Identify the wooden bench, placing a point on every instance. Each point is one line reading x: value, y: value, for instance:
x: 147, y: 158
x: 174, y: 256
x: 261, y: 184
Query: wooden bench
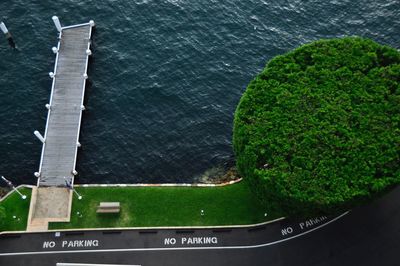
x: 108, y: 207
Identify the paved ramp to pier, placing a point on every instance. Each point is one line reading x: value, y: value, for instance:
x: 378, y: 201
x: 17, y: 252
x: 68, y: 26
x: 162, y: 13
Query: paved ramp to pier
x: 51, y: 200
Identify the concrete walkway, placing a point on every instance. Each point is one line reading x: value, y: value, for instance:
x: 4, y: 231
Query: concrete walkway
x: 48, y: 204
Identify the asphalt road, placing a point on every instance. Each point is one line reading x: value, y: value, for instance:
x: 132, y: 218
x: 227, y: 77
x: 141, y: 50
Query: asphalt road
x: 369, y: 235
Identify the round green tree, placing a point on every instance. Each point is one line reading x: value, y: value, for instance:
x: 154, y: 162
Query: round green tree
x: 318, y: 129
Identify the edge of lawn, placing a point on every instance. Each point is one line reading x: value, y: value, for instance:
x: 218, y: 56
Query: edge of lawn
x: 16, y: 209
x: 168, y: 207
x: 159, y: 207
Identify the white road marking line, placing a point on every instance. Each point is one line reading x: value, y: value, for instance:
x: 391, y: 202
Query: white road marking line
x: 169, y: 249
x: 86, y: 264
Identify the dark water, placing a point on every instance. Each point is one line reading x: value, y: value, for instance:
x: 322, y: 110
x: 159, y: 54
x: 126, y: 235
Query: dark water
x: 166, y: 77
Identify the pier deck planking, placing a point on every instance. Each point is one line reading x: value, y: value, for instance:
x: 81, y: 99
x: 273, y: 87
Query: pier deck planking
x: 64, y: 117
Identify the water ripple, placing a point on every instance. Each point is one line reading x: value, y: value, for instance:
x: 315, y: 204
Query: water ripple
x: 166, y: 76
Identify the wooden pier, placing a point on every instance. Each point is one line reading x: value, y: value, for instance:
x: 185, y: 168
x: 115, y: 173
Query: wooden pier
x: 61, y: 138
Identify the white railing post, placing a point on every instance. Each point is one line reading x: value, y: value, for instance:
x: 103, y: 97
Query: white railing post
x: 39, y: 136
x: 57, y: 23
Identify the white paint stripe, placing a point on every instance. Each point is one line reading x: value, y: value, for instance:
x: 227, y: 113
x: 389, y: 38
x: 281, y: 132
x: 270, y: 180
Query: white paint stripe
x: 86, y: 264
x: 170, y: 249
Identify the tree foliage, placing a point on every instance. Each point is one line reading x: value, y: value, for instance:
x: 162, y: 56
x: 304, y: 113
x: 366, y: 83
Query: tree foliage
x: 318, y: 129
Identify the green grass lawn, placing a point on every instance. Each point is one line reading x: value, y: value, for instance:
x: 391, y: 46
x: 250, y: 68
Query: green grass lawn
x: 167, y: 206
x: 16, y: 207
